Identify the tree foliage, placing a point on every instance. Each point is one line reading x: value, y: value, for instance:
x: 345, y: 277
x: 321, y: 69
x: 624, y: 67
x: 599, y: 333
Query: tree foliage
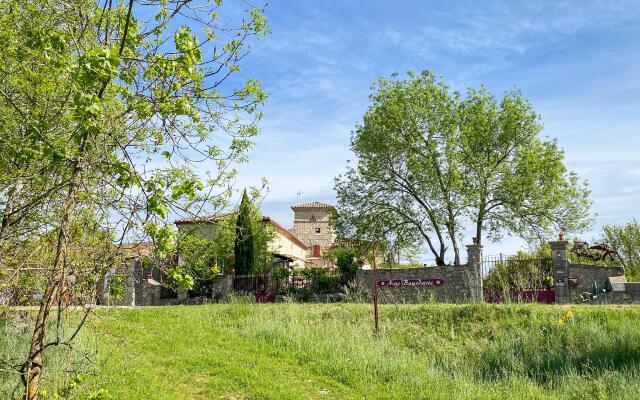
x: 625, y: 239
x: 107, y: 110
x: 244, y: 260
x: 431, y: 162
x: 204, y: 255
x: 347, y: 261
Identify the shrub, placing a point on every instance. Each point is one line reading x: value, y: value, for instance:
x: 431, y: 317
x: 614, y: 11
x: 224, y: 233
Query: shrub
x: 322, y: 281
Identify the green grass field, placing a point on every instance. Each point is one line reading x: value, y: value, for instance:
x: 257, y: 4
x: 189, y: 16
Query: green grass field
x: 306, y: 351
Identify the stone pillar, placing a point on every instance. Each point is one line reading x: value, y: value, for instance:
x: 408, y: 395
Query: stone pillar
x: 474, y: 263
x: 560, y: 271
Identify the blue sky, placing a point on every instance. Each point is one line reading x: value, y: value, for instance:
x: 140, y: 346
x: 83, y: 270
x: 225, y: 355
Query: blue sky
x: 578, y: 62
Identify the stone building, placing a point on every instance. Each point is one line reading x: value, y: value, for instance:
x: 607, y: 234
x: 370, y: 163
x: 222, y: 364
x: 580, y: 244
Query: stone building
x: 312, y: 225
x: 141, y: 283
x: 287, y: 249
x: 302, y: 246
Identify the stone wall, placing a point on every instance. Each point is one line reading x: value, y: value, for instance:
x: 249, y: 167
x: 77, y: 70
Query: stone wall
x: 222, y: 287
x: 150, y: 293
x: 628, y: 293
x: 129, y: 271
x: 203, y: 230
x: 572, y: 280
x: 585, y: 275
x: 460, y: 284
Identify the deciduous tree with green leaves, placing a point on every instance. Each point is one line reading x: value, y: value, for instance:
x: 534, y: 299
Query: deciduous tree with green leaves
x: 625, y: 239
x: 434, y: 161
x: 110, y: 112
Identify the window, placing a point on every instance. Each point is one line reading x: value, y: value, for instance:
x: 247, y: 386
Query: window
x: 315, y: 250
x: 313, y: 218
x: 317, y: 230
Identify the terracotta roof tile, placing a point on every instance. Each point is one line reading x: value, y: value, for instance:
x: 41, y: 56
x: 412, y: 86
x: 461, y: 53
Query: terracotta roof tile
x: 314, y: 204
x: 205, y: 218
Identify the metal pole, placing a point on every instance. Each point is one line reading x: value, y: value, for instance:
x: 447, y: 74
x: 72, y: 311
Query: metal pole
x: 375, y: 291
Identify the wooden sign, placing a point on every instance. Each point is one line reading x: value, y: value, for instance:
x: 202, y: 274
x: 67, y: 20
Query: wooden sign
x: 410, y: 282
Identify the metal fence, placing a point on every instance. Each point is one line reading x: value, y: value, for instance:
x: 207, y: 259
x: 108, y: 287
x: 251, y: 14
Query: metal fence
x: 517, y: 279
x: 269, y: 284
x: 518, y: 272
x: 264, y: 284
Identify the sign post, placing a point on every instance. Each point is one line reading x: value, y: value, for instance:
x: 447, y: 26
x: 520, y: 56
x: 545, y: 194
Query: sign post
x: 375, y: 291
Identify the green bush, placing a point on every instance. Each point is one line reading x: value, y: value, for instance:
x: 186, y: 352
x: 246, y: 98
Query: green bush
x: 322, y: 280
x: 347, y: 264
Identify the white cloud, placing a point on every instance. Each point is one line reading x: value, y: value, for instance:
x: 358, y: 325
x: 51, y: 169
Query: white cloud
x: 318, y: 70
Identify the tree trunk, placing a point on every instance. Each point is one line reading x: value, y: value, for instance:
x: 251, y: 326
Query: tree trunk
x: 479, y: 222
x: 55, y: 285
x: 454, y: 243
x: 440, y: 259
x: 8, y: 209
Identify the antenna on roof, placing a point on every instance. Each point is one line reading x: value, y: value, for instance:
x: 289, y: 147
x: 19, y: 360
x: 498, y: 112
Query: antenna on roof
x: 298, y: 196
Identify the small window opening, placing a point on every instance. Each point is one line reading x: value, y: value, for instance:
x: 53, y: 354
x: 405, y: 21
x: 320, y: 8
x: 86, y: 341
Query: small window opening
x: 317, y: 230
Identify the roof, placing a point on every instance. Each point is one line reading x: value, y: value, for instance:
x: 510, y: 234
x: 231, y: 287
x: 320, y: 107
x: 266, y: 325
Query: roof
x: 313, y: 205
x: 138, y: 249
x: 212, y: 219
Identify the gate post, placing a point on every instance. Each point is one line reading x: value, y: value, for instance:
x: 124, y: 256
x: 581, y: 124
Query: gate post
x: 560, y: 270
x: 474, y: 263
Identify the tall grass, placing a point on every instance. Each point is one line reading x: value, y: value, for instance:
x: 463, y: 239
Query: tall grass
x: 292, y: 351
x: 61, y: 364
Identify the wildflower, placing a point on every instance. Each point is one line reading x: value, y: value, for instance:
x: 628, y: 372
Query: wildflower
x: 568, y: 314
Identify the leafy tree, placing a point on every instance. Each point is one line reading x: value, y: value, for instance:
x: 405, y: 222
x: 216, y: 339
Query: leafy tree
x: 347, y: 261
x: 512, y: 180
x: 243, y: 249
x: 200, y: 258
x: 204, y: 256
x: 107, y: 110
x: 626, y: 240
x: 430, y: 161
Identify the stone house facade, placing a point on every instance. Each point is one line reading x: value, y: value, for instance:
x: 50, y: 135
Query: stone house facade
x: 300, y: 247
x: 286, y: 245
x: 312, y: 225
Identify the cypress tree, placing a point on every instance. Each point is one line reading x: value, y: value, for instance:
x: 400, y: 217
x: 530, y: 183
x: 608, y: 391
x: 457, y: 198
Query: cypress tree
x: 243, y: 248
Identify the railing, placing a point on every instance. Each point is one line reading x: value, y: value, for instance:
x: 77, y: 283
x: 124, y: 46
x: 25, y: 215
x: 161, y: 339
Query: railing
x: 518, y: 273
x: 269, y: 284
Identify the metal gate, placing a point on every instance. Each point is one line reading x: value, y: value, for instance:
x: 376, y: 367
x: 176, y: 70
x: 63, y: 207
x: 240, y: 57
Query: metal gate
x: 518, y: 279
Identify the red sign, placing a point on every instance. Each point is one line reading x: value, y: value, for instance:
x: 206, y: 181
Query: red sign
x: 410, y: 282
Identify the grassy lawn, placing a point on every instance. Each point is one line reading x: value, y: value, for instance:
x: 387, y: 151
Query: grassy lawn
x: 307, y: 351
